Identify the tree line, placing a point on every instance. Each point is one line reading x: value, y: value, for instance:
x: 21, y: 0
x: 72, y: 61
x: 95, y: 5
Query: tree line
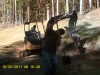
x: 16, y: 12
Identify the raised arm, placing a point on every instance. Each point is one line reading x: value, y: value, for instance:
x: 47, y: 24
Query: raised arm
x: 51, y: 22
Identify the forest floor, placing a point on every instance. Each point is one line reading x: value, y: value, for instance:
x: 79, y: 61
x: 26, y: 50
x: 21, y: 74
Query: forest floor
x: 88, y: 63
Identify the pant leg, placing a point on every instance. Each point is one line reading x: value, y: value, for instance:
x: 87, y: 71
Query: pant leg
x: 46, y: 62
x: 54, y: 62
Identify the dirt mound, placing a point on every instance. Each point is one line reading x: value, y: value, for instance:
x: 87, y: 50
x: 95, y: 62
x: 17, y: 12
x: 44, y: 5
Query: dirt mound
x: 93, y: 15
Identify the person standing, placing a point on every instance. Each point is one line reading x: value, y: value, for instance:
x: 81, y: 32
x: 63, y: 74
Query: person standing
x: 72, y: 21
x: 51, y: 41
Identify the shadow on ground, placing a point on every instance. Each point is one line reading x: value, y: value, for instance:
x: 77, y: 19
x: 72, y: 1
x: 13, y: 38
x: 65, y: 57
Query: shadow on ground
x: 9, y: 57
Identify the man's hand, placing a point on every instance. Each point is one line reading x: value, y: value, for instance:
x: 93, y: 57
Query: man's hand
x: 55, y: 21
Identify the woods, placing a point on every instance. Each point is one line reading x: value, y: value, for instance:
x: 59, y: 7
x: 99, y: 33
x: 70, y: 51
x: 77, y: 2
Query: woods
x: 16, y: 12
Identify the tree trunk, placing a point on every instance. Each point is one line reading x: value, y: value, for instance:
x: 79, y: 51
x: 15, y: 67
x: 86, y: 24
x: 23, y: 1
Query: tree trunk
x: 97, y: 3
x: 67, y: 6
x: 15, y: 13
x: 28, y: 13
x: 57, y: 8
x: 81, y: 7
x: 52, y: 8
x: 28, y: 8
x: 47, y: 13
x: 3, y: 12
x: 73, y: 5
x: 10, y: 13
x: 90, y: 4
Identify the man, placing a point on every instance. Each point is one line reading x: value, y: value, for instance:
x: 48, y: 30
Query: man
x: 51, y: 41
x: 72, y: 22
x: 33, y: 29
